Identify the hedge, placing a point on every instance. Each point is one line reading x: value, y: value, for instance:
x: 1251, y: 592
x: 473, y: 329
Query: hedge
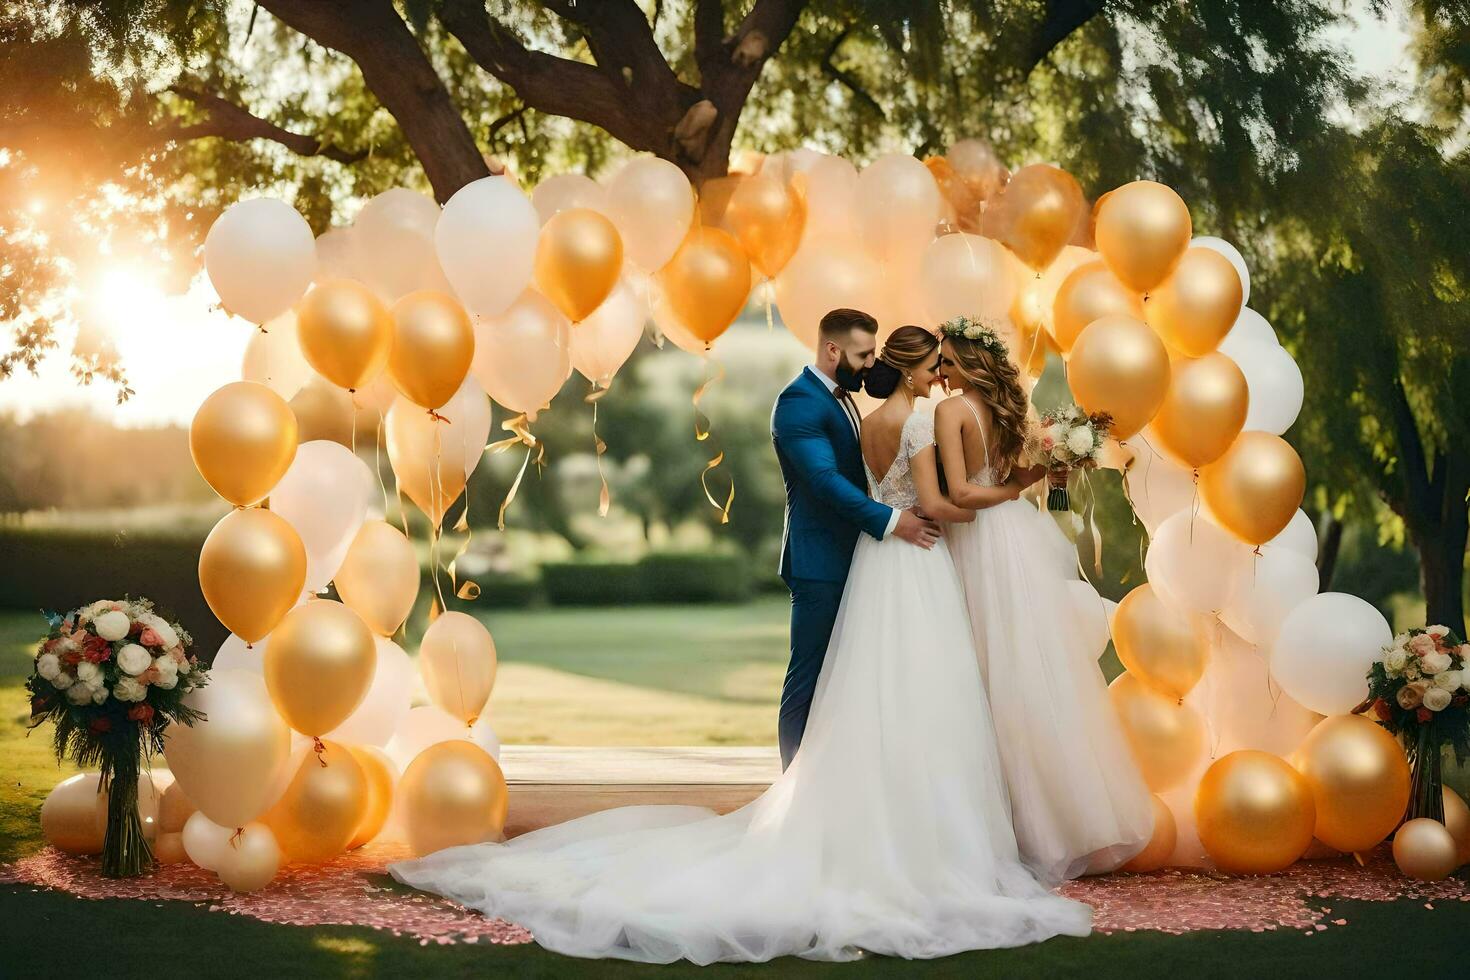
x: 659, y: 577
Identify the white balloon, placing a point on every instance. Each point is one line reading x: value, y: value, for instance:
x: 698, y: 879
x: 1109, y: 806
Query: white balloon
x: 251, y: 859
x: 898, y: 205
x: 1323, y: 652
x: 566, y: 191
x: 468, y: 412
x: 233, y: 654
x: 1091, y: 614
x: 1300, y: 535
x: 486, y: 241
x: 260, y: 256
x: 1265, y: 591
x: 651, y: 202
x: 1233, y: 254
x: 607, y: 337
x: 273, y: 358
x: 393, y: 244
x: 1158, y: 486
x: 334, y: 255
x: 523, y: 357
x: 1250, y: 328
x: 429, y: 725
x: 324, y: 496
x: 1245, y: 710
x: 1197, y: 562
x: 205, y: 841
x: 386, y: 703
x: 1275, y: 385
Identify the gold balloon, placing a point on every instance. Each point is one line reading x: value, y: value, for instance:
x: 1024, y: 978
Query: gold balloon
x: 453, y: 793
x: 1161, y: 846
x: 1167, y: 737
x: 428, y: 466
x: 1204, y: 409
x: 1197, y: 305
x: 169, y: 849
x: 323, y: 411
x: 1359, y: 779
x: 243, y: 439
x: 1157, y: 645
x: 433, y: 345
x: 345, y: 332
x: 457, y: 659
x: 319, y: 665
x: 252, y: 569
x: 1457, y: 822
x: 578, y: 260
x: 1254, y: 490
x: 1119, y: 366
x: 1425, y: 850
x: 1090, y: 292
x: 1254, y: 813
x: 707, y: 282
x: 250, y: 860
x: 1142, y: 230
x: 322, y: 807
x: 74, y: 816
x: 1035, y: 214
x: 768, y: 218
x: 380, y: 774
x: 379, y: 577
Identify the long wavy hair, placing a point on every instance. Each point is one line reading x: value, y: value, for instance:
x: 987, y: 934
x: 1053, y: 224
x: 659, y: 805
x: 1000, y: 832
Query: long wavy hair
x: 998, y: 383
x: 905, y: 349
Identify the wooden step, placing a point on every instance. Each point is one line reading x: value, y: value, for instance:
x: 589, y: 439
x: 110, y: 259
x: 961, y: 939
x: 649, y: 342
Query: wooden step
x: 553, y: 784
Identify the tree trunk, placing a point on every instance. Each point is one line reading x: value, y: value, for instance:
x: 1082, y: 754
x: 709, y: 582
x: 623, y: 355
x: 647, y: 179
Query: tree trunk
x: 1329, y: 543
x: 1442, y: 562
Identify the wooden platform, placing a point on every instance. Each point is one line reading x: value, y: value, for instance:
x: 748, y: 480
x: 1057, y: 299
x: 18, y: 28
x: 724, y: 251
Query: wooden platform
x: 550, y: 784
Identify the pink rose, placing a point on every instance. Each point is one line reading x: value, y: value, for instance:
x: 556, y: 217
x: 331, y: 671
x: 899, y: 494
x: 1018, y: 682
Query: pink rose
x: 1421, y: 645
x: 150, y: 638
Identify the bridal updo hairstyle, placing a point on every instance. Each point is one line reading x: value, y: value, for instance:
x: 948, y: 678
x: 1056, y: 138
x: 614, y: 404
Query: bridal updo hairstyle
x: 906, y: 348
x: 987, y: 368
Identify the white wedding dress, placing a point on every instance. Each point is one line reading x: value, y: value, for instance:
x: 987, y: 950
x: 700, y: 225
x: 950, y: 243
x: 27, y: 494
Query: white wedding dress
x: 1077, y: 798
x: 890, y: 832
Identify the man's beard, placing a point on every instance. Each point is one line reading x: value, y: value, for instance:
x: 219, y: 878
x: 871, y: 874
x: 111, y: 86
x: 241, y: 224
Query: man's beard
x: 848, y: 378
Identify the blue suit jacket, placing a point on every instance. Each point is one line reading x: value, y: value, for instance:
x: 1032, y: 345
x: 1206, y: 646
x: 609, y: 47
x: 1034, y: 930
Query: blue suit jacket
x: 827, y: 502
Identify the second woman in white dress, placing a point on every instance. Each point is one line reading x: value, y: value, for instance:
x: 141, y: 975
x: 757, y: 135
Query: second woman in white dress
x: 1078, y: 802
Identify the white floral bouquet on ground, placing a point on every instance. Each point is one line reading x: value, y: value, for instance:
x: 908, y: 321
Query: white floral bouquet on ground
x: 112, y: 676
x: 1063, y: 440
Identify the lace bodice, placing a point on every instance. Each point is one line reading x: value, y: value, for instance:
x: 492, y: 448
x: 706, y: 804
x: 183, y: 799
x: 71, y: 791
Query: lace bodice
x: 896, y: 489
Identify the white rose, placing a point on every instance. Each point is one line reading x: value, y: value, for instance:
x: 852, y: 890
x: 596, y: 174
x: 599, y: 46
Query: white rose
x: 128, y: 689
x: 48, y: 666
x: 112, y: 625
x: 1436, y: 699
x: 1433, y: 663
x: 99, y: 694
x: 62, y: 681
x: 1395, y: 662
x: 79, y: 694
x: 95, y: 609
x: 89, y: 673
x: 168, y: 672
x: 160, y: 626
x: 1079, y: 440
x: 134, y: 659
x: 1449, y: 679
x: 1438, y: 631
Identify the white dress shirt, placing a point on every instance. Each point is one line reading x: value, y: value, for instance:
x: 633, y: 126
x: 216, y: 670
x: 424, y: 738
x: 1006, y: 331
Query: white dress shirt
x: 853, y: 419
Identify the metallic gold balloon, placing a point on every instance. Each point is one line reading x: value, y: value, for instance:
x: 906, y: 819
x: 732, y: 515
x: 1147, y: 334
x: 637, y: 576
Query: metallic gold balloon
x: 1254, y: 813
x: 1197, y: 305
x: 579, y: 257
x: 74, y: 816
x: 1254, y: 490
x: 1035, y: 214
x: 379, y: 577
x: 1425, y: 850
x: 1359, y: 779
x: 428, y: 466
x: 1167, y: 737
x: 1142, y: 230
x: 1090, y: 292
x: 457, y: 659
x: 1119, y: 366
x: 322, y: 807
x: 250, y: 860
x: 1457, y: 822
x: 453, y: 793
x: 768, y: 218
x: 319, y: 665
x: 1157, y: 645
x: 324, y: 411
x: 1204, y: 409
x: 345, y: 332
x: 707, y: 282
x: 433, y: 345
x: 243, y: 439
x: 252, y: 569
x: 380, y: 774
x: 1161, y: 846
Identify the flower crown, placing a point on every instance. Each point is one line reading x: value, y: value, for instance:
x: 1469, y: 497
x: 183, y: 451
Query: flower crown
x: 975, y: 331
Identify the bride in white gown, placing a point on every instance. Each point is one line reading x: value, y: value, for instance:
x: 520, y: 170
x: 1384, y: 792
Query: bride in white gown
x: 889, y: 833
x: 1077, y: 798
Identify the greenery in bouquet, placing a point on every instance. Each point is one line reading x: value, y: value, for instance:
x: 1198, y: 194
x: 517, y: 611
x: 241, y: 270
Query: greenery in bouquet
x: 112, y: 676
x: 1418, y: 691
x: 1065, y: 439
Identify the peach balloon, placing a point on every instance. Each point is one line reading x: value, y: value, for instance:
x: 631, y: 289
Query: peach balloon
x: 965, y: 275
x: 1425, y: 850
x: 1254, y: 490
x: 427, y: 466
x: 453, y: 793
x: 604, y: 341
x: 457, y: 660
x: 1143, y: 229
x: 1157, y: 645
x: 1197, y: 305
x: 767, y: 217
x: 250, y: 860
x: 523, y: 356
x: 174, y: 809
x: 1166, y: 736
x: 345, y: 333
x: 1204, y: 409
x: 169, y: 849
x: 243, y: 439
x: 1119, y: 366
x: 74, y: 815
x: 565, y: 192
x: 433, y: 346
x: 1090, y: 292
x: 707, y: 282
x: 1359, y: 779
x: 324, y: 411
x: 379, y: 577
x: 252, y: 569
x: 1035, y: 214
x: 651, y: 202
x: 322, y: 807
x: 898, y: 205
x: 380, y: 773
x: 579, y: 257
x: 1161, y: 845
x: 824, y: 275
x: 319, y: 665
x: 1457, y: 822
x: 1254, y: 813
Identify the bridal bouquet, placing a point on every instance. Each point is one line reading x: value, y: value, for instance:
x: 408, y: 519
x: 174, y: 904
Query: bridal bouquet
x: 1067, y: 438
x: 1418, y: 691
x: 112, y: 676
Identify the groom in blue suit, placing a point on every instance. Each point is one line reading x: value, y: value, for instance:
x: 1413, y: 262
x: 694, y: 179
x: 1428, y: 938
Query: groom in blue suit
x: 816, y: 430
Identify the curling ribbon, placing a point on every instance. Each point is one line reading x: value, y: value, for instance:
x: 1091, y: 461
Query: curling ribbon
x: 522, y: 437
x: 701, y: 434
x: 1089, y: 523
x: 436, y: 502
x: 604, y: 499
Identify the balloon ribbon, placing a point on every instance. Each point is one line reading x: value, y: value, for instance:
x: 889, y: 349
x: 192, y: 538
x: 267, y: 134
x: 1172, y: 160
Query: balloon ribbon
x: 701, y: 433
x: 604, y: 499
x: 522, y: 437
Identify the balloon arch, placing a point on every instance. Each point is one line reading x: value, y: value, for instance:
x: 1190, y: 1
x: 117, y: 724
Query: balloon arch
x: 1230, y: 652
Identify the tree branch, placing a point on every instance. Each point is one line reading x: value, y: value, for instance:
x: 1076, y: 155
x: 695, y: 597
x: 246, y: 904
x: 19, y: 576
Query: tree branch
x: 229, y: 121
x: 846, y: 79
x: 1061, y: 20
